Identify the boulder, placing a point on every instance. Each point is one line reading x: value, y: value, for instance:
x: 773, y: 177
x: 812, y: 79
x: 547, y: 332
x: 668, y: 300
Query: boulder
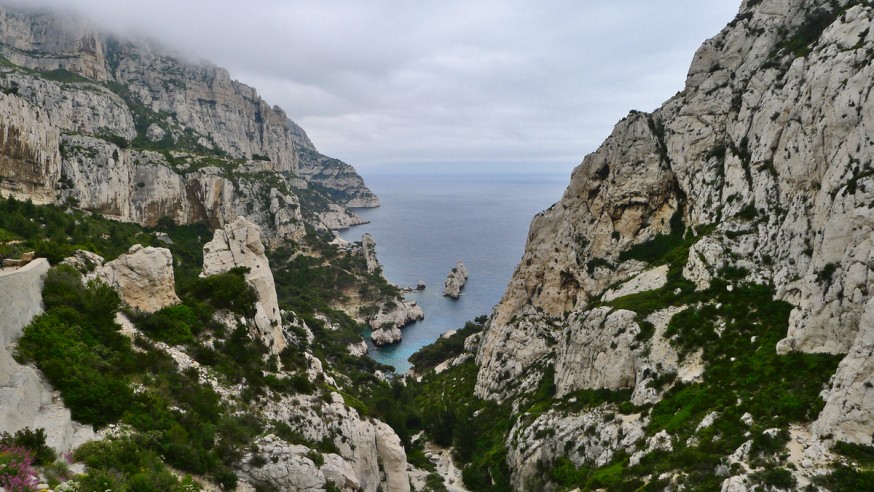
x: 386, y: 336
x: 143, y: 278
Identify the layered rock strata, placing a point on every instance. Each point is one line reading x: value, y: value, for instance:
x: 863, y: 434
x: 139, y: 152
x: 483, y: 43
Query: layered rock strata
x: 128, y: 130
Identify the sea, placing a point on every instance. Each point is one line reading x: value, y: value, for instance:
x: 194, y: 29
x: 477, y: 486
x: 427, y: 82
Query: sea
x: 427, y: 222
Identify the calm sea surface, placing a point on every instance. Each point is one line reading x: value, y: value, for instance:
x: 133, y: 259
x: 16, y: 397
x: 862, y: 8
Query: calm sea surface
x: 428, y: 222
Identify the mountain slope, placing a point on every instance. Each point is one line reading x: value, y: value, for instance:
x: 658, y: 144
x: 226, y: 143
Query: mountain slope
x: 131, y: 131
x: 749, y: 189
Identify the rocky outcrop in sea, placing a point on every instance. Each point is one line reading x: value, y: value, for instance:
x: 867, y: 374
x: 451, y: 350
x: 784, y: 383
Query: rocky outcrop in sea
x: 455, y: 280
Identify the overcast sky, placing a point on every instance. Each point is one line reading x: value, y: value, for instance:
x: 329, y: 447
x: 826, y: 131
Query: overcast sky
x: 530, y: 84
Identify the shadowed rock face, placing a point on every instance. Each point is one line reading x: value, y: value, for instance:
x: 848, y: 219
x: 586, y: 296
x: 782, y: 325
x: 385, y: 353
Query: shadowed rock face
x: 766, y: 153
x: 130, y: 131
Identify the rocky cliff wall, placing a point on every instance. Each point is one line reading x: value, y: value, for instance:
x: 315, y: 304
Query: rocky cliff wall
x: 765, y: 158
x: 20, y: 298
x: 128, y: 129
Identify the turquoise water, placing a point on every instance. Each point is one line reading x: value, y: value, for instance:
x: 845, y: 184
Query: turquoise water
x: 428, y: 222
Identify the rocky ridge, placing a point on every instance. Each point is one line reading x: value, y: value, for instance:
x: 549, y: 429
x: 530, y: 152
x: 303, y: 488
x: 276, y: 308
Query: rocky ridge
x: 130, y: 131
x: 763, y: 161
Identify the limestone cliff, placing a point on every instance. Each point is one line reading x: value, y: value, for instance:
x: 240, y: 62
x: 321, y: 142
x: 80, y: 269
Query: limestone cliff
x: 129, y: 130
x: 764, y: 159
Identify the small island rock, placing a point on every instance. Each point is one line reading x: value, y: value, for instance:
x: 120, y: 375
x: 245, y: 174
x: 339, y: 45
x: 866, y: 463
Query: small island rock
x: 455, y: 281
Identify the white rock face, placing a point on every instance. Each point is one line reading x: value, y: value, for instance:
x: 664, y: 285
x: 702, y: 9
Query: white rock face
x: 455, y: 280
x: 286, y: 466
x: 26, y: 398
x: 386, y: 336
x: 197, y: 107
x: 393, y: 316
x: 397, y: 314
x: 599, y: 353
x: 368, y: 248
x: 769, y: 148
x: 706, y: 257
x: 357, y: 349
x: 337, y: 217
x: 370, y: 448
x: 239, y: 245
x: 849, y: 411
x: 29, y: 146
x: 596, y: 437
x: 143, y: 278
x: 141, y: 186
x: 394, y: 458
x: 642, y: 282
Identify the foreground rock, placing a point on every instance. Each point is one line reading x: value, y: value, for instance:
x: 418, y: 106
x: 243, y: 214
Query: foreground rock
x: 455, y: 281
x: 239, y: 244
x: 143, y: 277
x: 26, y: 398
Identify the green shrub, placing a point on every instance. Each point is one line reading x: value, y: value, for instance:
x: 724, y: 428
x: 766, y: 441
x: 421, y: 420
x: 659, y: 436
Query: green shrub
x: 125, y: 465
x: 228, y: 290
x: 779, y: 478
x: 174, y: 325
x: 443, y: 349
x: 33, y: 441
x: 655, y: 250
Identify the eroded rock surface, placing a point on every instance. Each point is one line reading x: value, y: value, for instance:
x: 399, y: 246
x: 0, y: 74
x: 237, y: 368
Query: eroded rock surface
x: 455, y: 280
x: 143, y: 278
x: 26, y: 398
x: 239, y: 244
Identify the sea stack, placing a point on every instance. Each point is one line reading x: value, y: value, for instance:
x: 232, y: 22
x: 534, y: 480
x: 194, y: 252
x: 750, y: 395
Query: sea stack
x: 455, y: 281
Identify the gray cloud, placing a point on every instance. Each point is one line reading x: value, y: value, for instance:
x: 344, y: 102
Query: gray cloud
x: 391, y: 81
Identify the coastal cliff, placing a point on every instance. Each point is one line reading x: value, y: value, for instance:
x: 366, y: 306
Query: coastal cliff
x: 130, y: 130
x: 728, y: 227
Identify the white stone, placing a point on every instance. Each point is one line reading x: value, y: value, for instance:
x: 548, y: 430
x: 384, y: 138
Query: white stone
x: 455, y: 280
x: 642, y: 282
x: 143, y: 278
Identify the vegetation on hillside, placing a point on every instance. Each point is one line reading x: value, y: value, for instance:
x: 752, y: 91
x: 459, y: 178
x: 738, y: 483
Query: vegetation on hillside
x: 169, y: 415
